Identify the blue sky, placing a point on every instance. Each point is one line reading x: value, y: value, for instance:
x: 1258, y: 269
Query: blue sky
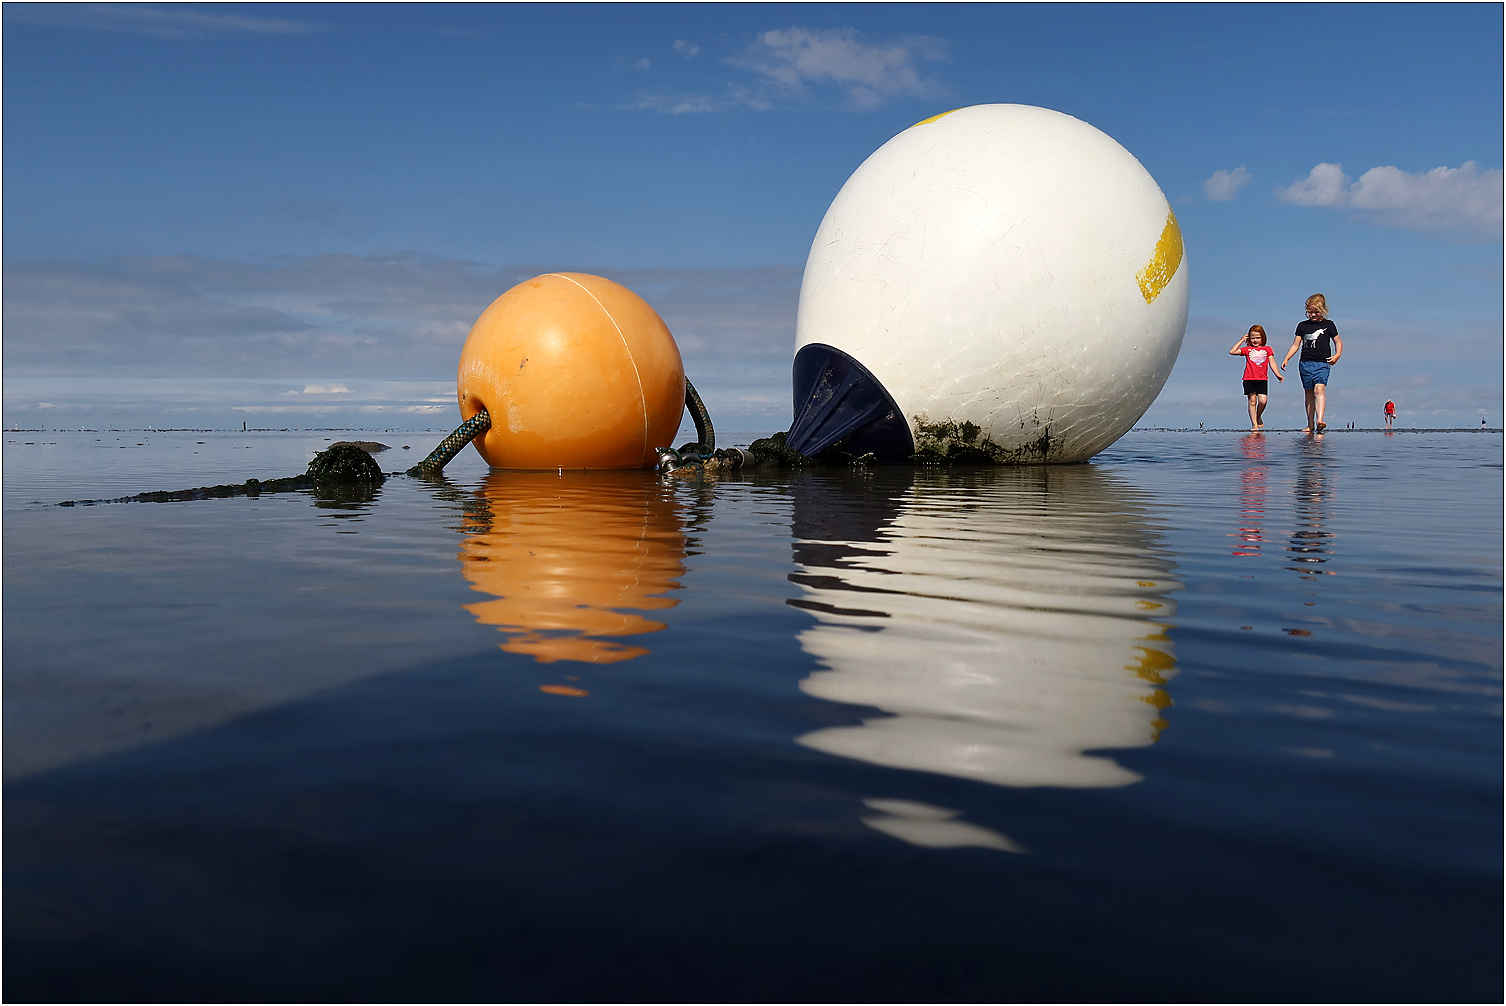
x: 291, y: 214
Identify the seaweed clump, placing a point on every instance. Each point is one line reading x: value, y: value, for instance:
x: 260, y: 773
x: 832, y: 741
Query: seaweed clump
x: 336, y: 471
x: 344, y: 462
x: 953, y: 443
x: 947, y: 442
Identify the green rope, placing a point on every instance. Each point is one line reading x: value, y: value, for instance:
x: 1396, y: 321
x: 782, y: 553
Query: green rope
x: 704, y: 447
x: 453, y: 444
x: 705, y: 434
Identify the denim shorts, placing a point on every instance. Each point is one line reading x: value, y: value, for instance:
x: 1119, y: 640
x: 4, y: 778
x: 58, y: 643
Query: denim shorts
x: 1313, y: 372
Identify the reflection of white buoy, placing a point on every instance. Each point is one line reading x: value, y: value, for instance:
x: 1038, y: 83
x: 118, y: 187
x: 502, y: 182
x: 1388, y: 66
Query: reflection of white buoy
x: 1000, y: 282
x: 1011, y: 631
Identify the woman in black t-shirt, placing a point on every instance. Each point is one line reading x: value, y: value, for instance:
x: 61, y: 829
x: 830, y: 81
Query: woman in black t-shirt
x: 1318, y: 339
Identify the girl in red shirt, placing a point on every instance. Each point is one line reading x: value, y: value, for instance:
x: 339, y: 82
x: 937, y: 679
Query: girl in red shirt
x: 1258, y: 357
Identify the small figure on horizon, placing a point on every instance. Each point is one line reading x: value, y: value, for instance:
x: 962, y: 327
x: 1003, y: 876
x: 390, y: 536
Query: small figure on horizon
x: 1390, y: 413
x: 1258, y: 357
x: 1318, y: 338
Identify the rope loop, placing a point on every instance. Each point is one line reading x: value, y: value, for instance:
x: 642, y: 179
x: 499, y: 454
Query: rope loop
x: 453, y: 444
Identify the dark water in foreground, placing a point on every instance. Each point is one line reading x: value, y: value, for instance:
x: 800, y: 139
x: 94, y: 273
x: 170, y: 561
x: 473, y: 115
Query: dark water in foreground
x: 1212, y: 717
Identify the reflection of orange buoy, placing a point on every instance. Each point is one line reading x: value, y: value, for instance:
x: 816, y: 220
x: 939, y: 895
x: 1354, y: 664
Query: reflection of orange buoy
x: 565, y: 556
x: 576, y: 371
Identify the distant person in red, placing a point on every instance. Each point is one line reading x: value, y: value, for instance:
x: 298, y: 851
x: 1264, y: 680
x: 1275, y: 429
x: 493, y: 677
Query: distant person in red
x: 1258, y: 357
x: 1390, y: 413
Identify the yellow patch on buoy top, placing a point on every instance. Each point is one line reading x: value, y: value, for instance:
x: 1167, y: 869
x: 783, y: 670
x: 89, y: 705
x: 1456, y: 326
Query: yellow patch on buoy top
x: 1163, y: 261
x: 927, y: 122
x: 564, y: 690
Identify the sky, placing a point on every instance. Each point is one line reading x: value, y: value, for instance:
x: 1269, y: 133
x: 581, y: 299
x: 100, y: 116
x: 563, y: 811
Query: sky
x: 290, y: 215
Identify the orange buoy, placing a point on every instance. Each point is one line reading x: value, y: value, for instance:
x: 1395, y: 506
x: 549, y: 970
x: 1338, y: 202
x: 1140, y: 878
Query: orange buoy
x: 577, y: 372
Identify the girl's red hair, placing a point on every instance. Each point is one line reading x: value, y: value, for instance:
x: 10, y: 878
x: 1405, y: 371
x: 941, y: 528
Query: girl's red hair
x: 1261, y: 332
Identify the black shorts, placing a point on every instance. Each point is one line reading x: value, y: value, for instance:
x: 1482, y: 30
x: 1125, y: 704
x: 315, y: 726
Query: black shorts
x: 1256, y: 387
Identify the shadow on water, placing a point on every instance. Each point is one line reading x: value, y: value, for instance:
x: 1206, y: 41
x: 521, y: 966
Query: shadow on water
x: 353, y: 497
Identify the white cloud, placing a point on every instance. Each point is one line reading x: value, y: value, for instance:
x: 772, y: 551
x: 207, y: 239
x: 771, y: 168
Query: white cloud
x: 326, y: 389
x: 154, y: 22
x: 1224, y: 185
x: 794, y: 60
x: 676, y: 104
x: 837, y: 65
x: 1463, y: 199
x: 644, y: 64
x: 1323, y: 186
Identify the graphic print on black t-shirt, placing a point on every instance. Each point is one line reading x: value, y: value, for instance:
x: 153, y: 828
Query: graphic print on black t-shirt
x: 1317, y: 338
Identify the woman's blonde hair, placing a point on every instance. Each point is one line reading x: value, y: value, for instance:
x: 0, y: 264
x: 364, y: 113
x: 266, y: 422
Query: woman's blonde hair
x: 1261, y: 332
x: 1320, y: 302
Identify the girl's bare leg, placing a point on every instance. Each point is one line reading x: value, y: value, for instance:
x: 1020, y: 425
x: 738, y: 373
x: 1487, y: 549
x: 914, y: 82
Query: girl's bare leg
x: 1319, y: 400
x: 1254, y: 421
x: 1259, y: 415
x: 1308, y: 397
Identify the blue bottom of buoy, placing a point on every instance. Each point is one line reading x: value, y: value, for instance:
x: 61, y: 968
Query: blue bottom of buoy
x: 839, y: 403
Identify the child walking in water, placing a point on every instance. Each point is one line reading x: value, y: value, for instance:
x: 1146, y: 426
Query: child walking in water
x: 1318, y: 339
x: 1257, y: 356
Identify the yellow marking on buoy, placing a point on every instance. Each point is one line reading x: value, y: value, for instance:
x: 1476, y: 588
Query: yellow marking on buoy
x: 564, y: 690
x: 1163, y: 261
x: 927, y: 122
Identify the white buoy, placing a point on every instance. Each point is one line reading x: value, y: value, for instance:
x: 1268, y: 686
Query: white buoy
x: 1000, y: 282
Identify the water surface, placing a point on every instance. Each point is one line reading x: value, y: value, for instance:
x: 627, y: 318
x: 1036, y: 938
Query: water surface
x: 1213, y: 716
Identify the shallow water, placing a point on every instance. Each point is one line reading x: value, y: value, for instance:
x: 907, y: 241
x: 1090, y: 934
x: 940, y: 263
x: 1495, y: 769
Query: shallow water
x: 1213, y: 716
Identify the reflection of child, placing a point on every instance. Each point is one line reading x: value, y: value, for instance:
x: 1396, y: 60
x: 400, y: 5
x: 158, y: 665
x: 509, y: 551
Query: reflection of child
x: 1258, y: 357
x: 1390, y: 413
